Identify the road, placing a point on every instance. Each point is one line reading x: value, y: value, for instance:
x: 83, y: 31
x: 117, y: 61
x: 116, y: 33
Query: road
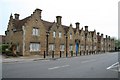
x: 89, y: 66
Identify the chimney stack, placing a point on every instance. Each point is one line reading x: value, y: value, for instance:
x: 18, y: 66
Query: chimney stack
x: 98, y: 33
x: 86, y: 28
x: 70, y: 25
x: 58, y: 19
x: 109, y: 37
x: 77, y: 25
x: 38, y: 11
x: 16, y: 16
x: 101, y: 35
x: 106, y: 36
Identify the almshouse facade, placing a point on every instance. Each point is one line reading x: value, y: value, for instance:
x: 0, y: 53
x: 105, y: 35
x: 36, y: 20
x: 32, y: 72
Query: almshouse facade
x: 33, y: 35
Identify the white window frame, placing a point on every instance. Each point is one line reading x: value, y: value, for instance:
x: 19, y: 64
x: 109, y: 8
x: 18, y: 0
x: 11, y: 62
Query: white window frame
x: 94, y: 47
x: 35, y: 31
x: 34, y: 46
x: 70, y: 35
x: 86, y: 47
x: 18, y: 48
x: 62, y: 47
x: 51, y: 47
x: 82, y: 47
x: 54, y: 34
x: 70, y: 47
x: 90, y: 47
x: 60, y: 34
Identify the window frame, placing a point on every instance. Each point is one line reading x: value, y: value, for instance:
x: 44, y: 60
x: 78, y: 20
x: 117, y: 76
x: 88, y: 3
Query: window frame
x: 35, y: 47
x: 71, y: 35
x: 51, y: 47
x: 60, y: 34
x: 54, y: 34
x: 35, y: 31
x: 70, y: 47
x: 62, y: 47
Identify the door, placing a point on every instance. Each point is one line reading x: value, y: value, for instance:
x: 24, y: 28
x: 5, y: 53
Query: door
x: 77, y: 48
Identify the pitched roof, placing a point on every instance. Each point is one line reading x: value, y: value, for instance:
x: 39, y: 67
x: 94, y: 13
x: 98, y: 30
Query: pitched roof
x: 19, y: 23
x: 47, y: 24
x: 65, y: 28
x: 92, y: 32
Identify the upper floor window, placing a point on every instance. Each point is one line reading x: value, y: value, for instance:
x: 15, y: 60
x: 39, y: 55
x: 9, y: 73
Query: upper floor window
x: 70, y: 35
x: 60, y: 34
x: 82, y: 36
x: 54, y: 34
x: 35, y: 31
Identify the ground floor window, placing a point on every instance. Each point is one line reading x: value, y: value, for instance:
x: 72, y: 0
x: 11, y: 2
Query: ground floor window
x: 82, y: 47
x: 94, y: 47
x: 34, y: 46
x: 51, y: 47
x: 90, y: 47
x: 102, y: 48
x: 18, y: 49
x: 62, y: 47
x: 86, y: 47
x: 71, y: 47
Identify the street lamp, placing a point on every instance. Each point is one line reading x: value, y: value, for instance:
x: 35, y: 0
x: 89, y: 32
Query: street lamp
x: 66, y: 44
x: 86, y: 31
x: 47, y: 34
x: 92, y: 44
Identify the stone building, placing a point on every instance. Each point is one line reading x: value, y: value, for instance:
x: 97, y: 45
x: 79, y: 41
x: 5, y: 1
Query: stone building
x: 33, y: 35
x: 2, y: 39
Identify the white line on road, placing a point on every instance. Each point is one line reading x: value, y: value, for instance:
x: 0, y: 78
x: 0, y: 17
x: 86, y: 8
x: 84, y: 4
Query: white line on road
x: 58, y: 67
x: 88, y: 61
x: 114, y: 53
x: 113, y: 65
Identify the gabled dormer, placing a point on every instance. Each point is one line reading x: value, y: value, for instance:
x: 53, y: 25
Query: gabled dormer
x: 70, y: 32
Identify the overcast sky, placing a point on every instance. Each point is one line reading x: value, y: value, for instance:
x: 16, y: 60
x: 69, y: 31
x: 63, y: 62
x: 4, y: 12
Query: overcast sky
x: 101, y: 15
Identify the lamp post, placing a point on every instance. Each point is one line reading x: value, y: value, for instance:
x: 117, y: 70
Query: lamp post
x: 86, y: 31
x: 85, y: 39
x: 47, y: 34
x: 92, y: 44
x: 66, y: 44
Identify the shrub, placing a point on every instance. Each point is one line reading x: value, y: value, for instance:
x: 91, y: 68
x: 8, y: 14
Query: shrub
x: 4, y: 48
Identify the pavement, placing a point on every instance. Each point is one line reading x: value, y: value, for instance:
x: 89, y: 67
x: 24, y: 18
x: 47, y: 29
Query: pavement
x: 28, y: 58
x: 23, y: 59
x: 89, y: 66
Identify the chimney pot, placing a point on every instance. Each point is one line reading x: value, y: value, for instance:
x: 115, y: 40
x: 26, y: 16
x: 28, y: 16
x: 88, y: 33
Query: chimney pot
x: 58, y: 19
x: 102, y: 35
x: 98, y: 33
x: 16, y: 16
x: 106, y: 36
x: 86, y: 28
x: 77, y: 25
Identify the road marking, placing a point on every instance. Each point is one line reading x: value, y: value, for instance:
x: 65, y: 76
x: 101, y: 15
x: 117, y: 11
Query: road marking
x: 58, y: 67
x: 113, y: 65
x: 114, y: 53
x: 88, y: 61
